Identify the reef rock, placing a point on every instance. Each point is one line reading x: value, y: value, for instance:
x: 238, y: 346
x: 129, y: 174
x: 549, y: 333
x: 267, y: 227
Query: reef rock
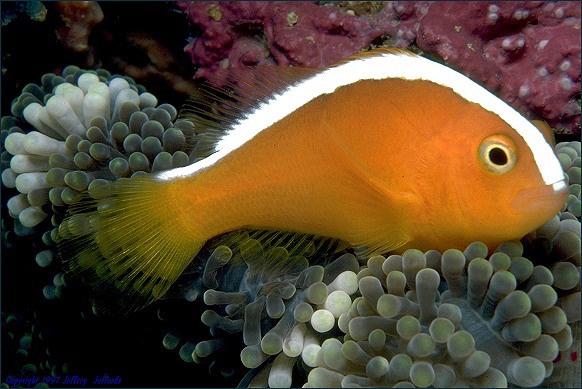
x: 526, y: 52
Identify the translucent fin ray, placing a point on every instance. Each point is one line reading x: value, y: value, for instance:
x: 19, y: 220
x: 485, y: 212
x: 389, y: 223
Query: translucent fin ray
x: 296, y: 244
x: 215, y: 110
x: 124, y: 244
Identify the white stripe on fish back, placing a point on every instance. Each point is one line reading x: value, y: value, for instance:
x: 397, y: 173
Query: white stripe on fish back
x: 382, y: 66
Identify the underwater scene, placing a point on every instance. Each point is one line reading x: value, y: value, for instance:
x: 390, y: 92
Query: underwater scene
x: 290, y: 194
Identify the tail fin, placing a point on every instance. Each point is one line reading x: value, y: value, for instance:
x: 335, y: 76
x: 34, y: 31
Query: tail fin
x: 125, y: 237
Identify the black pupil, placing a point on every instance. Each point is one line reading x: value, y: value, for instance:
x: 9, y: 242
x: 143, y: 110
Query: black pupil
x: 497, y: 156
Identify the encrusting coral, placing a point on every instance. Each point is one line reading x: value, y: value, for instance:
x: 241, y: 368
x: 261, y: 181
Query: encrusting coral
x: 457, y: 318
x: 528, y: 53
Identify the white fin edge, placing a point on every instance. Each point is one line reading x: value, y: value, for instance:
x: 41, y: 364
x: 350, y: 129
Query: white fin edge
x: 385, y: 65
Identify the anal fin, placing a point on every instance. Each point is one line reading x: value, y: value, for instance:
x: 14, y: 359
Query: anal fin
x: 295, y: 243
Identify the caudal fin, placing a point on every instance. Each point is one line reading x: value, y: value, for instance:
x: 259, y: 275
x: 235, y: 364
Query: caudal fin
x: 124, y: 237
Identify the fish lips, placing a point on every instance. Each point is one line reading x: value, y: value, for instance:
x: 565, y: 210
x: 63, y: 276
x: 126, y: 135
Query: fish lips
x: 543, y: 199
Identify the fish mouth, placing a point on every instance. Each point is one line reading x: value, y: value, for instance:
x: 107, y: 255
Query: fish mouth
x: 543, y: 199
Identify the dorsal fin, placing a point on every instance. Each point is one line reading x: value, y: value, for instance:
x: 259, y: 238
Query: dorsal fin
x: 215, y: 110
x: 546, y: 131
x: 375, y: 53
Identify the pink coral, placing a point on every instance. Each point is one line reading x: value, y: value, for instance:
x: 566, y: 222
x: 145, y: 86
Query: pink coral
x: 526, y: 52
x: 240, y: 34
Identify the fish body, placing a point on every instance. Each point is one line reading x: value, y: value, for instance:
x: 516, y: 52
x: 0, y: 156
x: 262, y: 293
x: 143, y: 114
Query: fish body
x: 386, y: 150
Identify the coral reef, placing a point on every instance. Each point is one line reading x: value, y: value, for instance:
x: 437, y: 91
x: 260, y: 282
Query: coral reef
x: 78, y: 20
x: 527, y: 52
x: 150, y: 55
x: 35, y: 10
x: 163, y: 64
x: 71, y: 33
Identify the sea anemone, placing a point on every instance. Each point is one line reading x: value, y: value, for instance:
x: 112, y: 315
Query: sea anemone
x: 28, y: 345
x: 569, y: 156
x: 422, y: 319
x: 73, y: 132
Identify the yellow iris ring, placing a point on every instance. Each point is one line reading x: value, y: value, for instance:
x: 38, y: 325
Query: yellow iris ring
x: 497, y: 154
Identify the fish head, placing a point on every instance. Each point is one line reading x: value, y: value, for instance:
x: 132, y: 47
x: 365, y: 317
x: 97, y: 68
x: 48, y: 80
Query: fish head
x: 511, y: 181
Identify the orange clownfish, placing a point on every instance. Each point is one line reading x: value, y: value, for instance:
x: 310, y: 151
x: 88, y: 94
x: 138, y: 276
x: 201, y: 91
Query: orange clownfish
x: 386, y: 150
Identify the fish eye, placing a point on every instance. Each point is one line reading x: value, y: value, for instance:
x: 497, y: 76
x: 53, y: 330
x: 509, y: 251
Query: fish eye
x: 497, y: 153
